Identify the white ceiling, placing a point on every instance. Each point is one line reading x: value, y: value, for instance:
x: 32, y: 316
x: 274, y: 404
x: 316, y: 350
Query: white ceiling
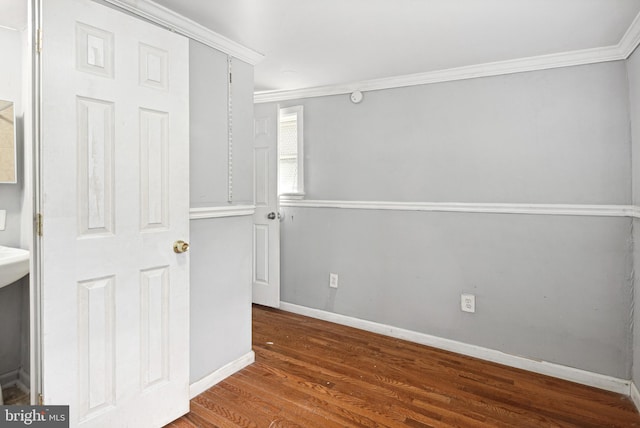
x: 326, y: 42
x: 311, y: 43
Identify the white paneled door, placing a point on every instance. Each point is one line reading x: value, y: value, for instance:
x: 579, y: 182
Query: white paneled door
x: 114, y: 168
x: 266, y: 220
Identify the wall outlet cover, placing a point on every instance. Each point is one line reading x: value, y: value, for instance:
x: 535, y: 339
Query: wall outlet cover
x: 468, y: 303
x: 333, y: 280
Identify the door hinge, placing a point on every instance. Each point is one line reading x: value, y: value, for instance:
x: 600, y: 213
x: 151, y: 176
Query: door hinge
x: 230, y: 77
x: 39, y: 40
x: 39, y: 221
x: 40, y: 400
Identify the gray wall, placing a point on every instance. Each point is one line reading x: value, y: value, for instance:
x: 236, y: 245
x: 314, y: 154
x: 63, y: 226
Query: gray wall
x: 554, y: 288
x: 633, y: 71
x: 242, y: 100
x: 208, y: 130
x: 14, y: 308
x: 554, y: 136
x: 220, y: 247
x: 220, y: 293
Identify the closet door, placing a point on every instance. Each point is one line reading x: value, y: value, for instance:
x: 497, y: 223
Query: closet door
x: 115, y: 189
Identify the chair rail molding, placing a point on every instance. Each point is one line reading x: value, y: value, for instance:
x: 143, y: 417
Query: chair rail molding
x: 221, y: 211
x: 470, y: 207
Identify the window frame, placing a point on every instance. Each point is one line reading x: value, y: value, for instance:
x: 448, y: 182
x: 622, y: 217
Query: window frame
x: 298, y: 111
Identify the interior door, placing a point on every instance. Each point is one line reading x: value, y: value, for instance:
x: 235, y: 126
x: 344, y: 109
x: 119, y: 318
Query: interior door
x: 266, y: 220
x: 114, y: 168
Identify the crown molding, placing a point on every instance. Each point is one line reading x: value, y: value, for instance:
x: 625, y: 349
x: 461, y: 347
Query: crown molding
x: 464, y: 207
x: 631, y: 38
x: 4, y: 27
x: 165, y: 17
x: 543, y: 62
x: 620, y: 51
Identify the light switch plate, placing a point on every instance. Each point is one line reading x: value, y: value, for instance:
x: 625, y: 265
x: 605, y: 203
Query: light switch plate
x: 3, y: 219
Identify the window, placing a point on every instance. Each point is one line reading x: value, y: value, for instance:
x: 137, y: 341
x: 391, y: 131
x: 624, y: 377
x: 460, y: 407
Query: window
x: 290, y: 170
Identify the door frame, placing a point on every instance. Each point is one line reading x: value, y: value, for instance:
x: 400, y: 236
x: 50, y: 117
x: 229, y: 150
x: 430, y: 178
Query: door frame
x: 35, y: 281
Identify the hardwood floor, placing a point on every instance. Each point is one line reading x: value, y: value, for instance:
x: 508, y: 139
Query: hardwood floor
x: 310, y: 373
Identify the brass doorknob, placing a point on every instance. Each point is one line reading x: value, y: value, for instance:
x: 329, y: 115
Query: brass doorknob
x: 180, y: 247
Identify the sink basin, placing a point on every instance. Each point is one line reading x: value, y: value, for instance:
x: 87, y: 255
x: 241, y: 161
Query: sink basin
x: 14, y: 264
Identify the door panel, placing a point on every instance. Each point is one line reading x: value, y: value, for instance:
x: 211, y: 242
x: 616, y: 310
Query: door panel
x: 95, y: 125
x: 115, y: 198
x: 96, y: 340
x: 154, y: 170
x: 261, y: 254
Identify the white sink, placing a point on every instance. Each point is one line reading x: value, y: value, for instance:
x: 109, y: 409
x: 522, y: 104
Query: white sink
x: 14, y: 264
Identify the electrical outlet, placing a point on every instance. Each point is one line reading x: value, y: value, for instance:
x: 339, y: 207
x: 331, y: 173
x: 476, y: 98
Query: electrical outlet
x: 333, y: 280
x: 468, y: 302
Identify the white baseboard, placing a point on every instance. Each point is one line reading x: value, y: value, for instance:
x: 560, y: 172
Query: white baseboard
x: 24, y: 381
x: 635, y: 395
x: 222, y: 373
x: 19, y: 378
x: 583, y: 377
x: 10, y: 378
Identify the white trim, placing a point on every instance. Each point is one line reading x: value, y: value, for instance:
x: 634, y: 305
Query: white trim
x: 620, y: 51
x: 543, y: 62
x: 298, y: 112
x: 631, y: 38
x: 9, y: 28
x: 583, y: 377
x: 221, y: 211
x: 494, y: 208
x: 291, y: 196
x: 18, y: 378
x: 635, y: 395
x: 24, y: 381
x: 191, y: 29
x: 10, y: 378
x: 221, y: 374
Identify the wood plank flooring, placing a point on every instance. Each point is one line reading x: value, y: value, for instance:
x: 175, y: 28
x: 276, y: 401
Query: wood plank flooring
x: 310, y: 373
